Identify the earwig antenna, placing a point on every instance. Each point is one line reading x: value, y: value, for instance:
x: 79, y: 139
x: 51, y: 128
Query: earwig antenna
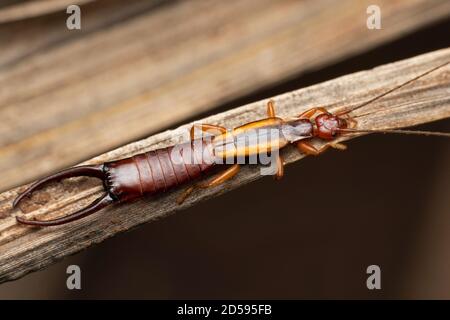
x: 394, y: 89
x: 415, y: 132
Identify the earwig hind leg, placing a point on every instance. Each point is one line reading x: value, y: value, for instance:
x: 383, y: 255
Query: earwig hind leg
x: 186, y: 193
x: 207, y: 128
x: 219, y: 179
x: 271, y: 109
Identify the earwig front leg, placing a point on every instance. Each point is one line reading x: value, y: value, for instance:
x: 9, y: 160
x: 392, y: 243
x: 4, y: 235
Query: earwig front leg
x: 309, y: 113
x: 309, y: 149
x: 219, y: 179
x: 350, y: 121
x: 206, y: 128
x: 338, y: 146
x: 270, y: 109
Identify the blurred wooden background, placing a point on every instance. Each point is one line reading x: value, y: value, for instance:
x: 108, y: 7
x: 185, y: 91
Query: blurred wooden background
x: 24, y: 249
x: 134, y: 69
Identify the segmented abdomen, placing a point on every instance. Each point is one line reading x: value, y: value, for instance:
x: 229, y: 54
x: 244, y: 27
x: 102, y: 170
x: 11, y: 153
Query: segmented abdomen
x: 159, y: 170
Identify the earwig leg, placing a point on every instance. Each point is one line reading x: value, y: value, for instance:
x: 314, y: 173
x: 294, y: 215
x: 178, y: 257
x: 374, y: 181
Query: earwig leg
x: 338, y: 146
x: 207, y: 128
x: 270, y: 109
x: 309, y: 149
x: 309, y: 113
x: 350, y: 121
x: 280, y: 168
x: 219, y: 179
x: 185, y: 194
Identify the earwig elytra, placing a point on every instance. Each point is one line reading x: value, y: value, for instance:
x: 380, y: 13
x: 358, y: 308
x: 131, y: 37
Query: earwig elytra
x: 157, y: 171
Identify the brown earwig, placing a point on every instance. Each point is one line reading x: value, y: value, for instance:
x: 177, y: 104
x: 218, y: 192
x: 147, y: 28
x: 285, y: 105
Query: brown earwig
x: 160, y: 170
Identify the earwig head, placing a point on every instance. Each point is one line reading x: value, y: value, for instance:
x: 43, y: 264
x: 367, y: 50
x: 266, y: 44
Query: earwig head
x: 329, y: 125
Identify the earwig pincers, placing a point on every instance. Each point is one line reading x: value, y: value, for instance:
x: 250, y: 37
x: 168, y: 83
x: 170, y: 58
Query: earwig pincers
x: 163, y: 169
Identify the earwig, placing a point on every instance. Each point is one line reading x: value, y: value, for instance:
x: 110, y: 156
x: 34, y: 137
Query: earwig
x: 163, y: 169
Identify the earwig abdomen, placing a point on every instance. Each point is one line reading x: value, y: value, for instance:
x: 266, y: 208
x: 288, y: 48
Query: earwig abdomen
x: 157, y: 171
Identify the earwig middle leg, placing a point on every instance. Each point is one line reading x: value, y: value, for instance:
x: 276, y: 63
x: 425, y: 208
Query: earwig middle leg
x: 270, y: 109
x: 307, y: 148
x: 280, y: 168
x: 219, y: 179
x: 206, y: 128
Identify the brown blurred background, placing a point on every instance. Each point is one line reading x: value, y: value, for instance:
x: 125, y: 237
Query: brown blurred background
x: 286, y: 239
